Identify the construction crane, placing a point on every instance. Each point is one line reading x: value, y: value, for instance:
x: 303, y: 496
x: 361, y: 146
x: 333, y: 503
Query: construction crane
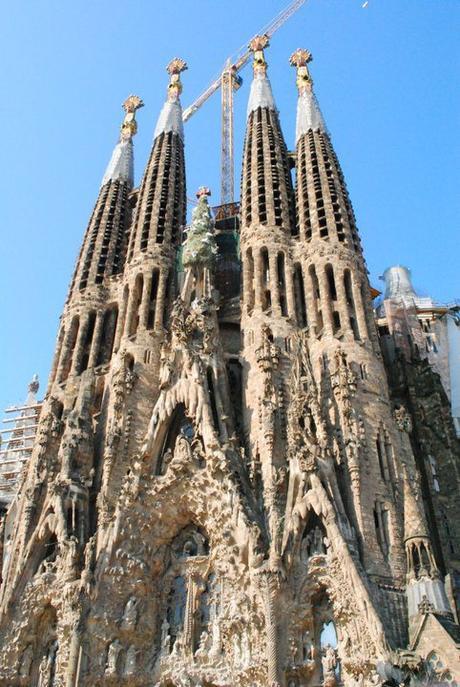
x: 229, y: 81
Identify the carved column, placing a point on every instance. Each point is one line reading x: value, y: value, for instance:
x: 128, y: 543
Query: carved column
x: 359, y: 307
x: 290, y: 298
x: 270, y: 590
x: 96, y: 339
x: 80, y: 343
x: 274, y: 284
x: 342, y: 305
x: 325, y: 302
x: 161, y: 299
x: 144, y: 306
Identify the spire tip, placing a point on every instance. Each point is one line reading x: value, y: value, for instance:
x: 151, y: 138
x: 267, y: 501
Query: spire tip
x: 129, y: 126
x: 257, y: 45
x: 174, y: 69
x: 300, y: 60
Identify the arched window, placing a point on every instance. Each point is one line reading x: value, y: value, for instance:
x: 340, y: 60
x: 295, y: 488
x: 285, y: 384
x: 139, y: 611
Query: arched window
x: 180, y: 425
x: 313, y: 538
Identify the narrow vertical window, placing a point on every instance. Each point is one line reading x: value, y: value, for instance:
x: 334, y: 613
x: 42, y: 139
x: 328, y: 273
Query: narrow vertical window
x: 249, y: 274
x: 299, y: 296
x: 83, y: 364
x: 108, y: 335
x: 265, y: 276
x: 152, y: 299
x: 281, y: 283
x: 212, y: 399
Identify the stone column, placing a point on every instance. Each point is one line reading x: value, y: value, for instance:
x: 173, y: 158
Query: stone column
x: 80, y: 343
x: 310, y: 300
x: 96, y: 342
x: 161, y: 295
x: 342, y: 305
x: 257, y: 280
x: 274, y: 284
x: 325, y: 302
x: 130, y: 309
x: 359, y: 308
x: 290, y: 298
x: 120, y: 324
x: 145, y: 303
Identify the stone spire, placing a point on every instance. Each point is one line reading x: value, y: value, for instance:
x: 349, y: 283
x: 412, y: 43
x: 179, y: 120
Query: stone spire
x: 160, y: 210
x: 102, y: 252
x: 337, y: 299
x: 266, y: 187
x: 423, y: 576
x: 121, y: 165
x: 308, y: 113
x: 261, y: 91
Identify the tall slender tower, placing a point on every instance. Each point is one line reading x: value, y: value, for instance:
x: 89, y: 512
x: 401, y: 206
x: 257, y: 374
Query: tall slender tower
x: 224, y: 490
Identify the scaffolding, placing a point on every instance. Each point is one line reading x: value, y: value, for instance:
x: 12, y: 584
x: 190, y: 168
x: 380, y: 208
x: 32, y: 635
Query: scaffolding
x: 17, y: 441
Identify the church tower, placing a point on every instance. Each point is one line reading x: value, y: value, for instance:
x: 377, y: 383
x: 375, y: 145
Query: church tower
x: 228, y: 486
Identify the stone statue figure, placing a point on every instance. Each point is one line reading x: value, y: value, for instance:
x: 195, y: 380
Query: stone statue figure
x: 236, y: 649
x: 202, y: 650
x: 307, y: 647
x: 318, y: 541
x: 46, y: 668
x: 113, y: 653
x: 245, y: 650
x: 312, y: 544
x: 165, y: 638
x: 130, y: 661
x: 26, y: 661
x: 178, y: 646
x: 129, y: 619
x: 329, y: 664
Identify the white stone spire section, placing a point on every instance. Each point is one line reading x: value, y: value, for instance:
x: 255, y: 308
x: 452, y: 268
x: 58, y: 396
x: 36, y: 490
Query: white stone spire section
x: 261, y: 91
x: 170, y: 118
x: 308, y: 113
x: 121, y: 165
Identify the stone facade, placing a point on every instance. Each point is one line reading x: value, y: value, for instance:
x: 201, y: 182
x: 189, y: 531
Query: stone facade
x: 231, y: 489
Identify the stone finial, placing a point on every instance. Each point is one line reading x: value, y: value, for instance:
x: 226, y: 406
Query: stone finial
x: 34, y: 384
x: 199, y: 248
x: 300, y: 60
x: 425, y: 606
x: 257, y: 45
x: 174, y: 69
x: 129, y: 126
x: 203, y: 191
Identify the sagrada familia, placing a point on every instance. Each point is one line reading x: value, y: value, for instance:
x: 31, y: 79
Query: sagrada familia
x: 233, y: 482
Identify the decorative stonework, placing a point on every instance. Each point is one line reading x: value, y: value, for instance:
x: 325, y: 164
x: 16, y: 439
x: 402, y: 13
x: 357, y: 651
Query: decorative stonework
x: 230, y: 494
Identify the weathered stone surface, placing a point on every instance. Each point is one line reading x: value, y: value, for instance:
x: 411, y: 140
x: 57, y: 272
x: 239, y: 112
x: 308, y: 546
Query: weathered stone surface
x: 233, y: 494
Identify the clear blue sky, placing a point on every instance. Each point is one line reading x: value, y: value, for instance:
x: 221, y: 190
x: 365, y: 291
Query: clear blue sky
x: 386, y: 77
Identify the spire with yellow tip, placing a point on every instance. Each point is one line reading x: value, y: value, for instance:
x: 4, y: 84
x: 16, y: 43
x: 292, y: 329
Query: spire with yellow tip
x: 160, y: 209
